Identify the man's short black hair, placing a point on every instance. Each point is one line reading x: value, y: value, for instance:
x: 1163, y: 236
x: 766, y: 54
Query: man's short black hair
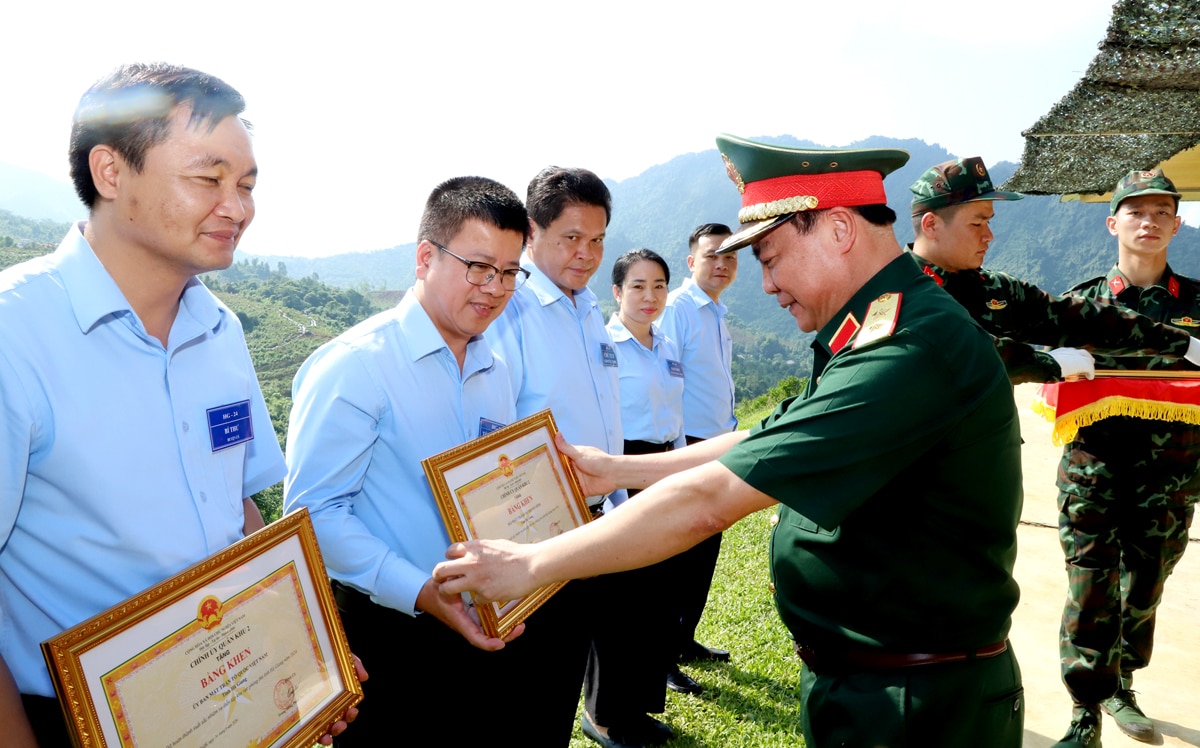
x: 456, y: 201
x: 706, y: 229
x: 876, y: 215
x: 555, y: 188
x: 130, y: 109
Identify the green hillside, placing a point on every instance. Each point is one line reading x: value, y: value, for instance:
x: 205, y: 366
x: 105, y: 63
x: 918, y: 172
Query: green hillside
x: 21, y: 230
x: 285, y: 320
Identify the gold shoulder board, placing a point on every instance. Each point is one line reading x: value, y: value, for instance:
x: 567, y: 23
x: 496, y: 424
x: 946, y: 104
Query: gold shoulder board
x: 880, y: 320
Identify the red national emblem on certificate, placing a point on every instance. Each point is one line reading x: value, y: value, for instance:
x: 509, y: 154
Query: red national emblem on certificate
x: 209, y: 613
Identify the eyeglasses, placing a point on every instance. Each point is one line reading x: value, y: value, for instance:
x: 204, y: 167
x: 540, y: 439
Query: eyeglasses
x: 481, y: 273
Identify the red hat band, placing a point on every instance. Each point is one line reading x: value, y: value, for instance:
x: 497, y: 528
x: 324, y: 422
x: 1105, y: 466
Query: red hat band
x: 768, y: 198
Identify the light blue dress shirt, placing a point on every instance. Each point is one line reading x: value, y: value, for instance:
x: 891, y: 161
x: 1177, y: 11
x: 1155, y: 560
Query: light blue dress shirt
x: 697, y: 325
x: 109, y: 478
x: 652, y: 384
x: 367, y: 407
x: 560, y: 357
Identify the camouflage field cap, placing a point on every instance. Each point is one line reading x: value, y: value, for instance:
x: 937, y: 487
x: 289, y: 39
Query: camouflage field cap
x: 1137, y: 183
x: 777, y: 182
x: 959, y: 180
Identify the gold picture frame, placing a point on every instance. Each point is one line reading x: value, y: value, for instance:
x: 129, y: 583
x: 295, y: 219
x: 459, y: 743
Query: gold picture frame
x: 513, y: 484
x: 242, y: 648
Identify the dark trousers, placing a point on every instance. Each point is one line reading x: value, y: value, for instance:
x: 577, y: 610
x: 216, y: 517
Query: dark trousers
x: 46, y: 717
x: 423, y: 673
x: 692, y: 575
x: 969, y: 704
x: 631, y: 650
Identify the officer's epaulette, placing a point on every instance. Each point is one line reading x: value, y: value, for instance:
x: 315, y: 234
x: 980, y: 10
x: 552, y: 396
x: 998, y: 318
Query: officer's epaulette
x: 880, y: 320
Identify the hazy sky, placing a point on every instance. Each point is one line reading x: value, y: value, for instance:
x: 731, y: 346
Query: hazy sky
x: 359, y: 110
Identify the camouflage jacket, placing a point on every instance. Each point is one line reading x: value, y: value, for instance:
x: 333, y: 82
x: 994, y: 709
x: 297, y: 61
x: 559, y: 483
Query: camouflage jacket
x: 1020, y: 315
x: 1164, y: 455
x: 1174, y: 300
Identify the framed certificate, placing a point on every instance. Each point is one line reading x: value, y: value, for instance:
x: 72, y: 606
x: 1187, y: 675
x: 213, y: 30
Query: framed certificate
x: 513, y: 484
x: 243, y: 648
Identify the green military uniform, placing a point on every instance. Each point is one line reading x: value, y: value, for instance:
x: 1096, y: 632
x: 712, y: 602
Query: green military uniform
x: 900, y: 478
x: 1127, y: 491
x: 1018, y: 314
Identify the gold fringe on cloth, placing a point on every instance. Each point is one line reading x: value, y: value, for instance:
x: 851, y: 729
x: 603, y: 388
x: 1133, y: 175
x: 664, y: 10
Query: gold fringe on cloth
x: 1073, y: 405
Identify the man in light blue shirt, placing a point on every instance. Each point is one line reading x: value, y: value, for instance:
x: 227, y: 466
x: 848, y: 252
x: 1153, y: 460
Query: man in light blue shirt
x: 368, y: 406
x: 552, y: 335
x: 695, y: 320
x: 553, y: 338
x: 115, y: 362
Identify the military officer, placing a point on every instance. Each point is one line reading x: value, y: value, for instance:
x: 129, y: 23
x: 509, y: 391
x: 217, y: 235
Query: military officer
x: 880, y: 493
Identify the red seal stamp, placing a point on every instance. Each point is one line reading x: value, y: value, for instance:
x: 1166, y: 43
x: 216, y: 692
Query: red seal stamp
x: 285, y: 694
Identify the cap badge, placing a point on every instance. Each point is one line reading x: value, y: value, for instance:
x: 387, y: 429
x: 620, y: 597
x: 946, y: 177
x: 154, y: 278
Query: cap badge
x: 734, y: 175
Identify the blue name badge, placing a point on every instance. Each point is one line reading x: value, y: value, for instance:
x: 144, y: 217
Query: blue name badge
x: 608, y: 354
x: 675, y: 368
x: 487, y: 425
x: 229, y: 425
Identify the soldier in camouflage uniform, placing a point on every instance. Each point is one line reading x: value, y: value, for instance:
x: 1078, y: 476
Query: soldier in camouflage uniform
x: 951, y: 209
x: 1128, y: 486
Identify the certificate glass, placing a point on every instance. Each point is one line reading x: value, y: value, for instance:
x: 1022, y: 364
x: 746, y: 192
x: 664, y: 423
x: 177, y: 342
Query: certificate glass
x: 243, y: 648
x: 511, y: 484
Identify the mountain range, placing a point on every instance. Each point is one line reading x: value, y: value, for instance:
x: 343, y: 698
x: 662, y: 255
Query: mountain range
x: 1046, y: 242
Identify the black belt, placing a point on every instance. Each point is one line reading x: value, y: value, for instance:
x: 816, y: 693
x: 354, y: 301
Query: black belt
x: 828, y: 660
x: 640, y: 447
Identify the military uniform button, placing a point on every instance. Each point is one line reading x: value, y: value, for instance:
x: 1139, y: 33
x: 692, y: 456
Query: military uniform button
x: 771, y: 587
x: 774, y: 519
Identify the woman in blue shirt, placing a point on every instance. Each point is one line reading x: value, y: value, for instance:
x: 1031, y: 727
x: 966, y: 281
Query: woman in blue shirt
x: 651, y: 376
x: 629, y: 668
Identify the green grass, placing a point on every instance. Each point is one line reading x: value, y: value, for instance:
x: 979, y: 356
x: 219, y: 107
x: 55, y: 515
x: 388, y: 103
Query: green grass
x: 753, y: 700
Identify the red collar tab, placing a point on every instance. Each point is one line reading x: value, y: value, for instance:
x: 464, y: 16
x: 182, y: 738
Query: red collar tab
x: 844, y: 333
x: 1116, y: 284
x: 1173, y: 286
x: 933, y: 274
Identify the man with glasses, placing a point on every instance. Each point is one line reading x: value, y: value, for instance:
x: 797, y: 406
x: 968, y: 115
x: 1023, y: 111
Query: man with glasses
x: 368, y: 406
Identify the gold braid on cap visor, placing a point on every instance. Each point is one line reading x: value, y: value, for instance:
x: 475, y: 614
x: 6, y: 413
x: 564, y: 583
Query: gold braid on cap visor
x: 763, y: 211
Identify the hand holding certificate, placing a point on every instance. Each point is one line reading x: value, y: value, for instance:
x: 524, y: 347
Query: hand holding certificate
x: 511, y: 484
x: 244, y: 648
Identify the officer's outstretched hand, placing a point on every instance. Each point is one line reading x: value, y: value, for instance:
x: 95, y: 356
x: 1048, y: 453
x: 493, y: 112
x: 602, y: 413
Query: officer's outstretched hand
x: 492, y: 569
x: 1193, y: 352
x: 1075, y: 363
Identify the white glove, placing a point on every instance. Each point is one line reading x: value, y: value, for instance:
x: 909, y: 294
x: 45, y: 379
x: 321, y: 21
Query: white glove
x: 1193, y: 354
x: 1075, y: 362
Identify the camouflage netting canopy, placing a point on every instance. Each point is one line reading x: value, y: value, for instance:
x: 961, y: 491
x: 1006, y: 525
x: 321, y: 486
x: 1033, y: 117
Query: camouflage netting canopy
x: 1137, y: 105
